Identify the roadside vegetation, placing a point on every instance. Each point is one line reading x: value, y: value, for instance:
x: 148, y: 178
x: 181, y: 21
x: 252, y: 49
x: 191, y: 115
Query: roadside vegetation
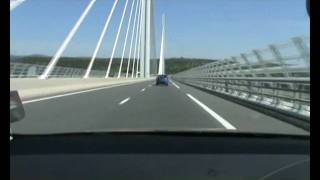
x: 173, y: 65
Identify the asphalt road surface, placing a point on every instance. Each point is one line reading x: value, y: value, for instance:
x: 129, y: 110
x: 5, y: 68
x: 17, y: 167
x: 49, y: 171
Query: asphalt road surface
x: 144, y: 105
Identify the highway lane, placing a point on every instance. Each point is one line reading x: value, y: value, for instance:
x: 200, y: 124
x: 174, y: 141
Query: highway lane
x: 77, y: 112
x: 244, y: 118
x: 161, y: 107
x: 145, y: 106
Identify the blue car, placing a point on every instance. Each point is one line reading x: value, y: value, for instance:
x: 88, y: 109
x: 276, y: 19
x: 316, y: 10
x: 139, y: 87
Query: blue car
x: 162, y: 79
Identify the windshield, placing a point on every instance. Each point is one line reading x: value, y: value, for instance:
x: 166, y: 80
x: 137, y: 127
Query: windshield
x: 92, y: 66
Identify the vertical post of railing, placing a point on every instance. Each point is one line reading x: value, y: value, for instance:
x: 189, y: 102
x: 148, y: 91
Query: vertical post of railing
x: 218, y: 69
x: 231, y: 65
x: 223, y: 68
x: 71, y: 72
x: 213, y: 69
x: 276, y: 93
x: 61, y: 71
x: 261, y: 86
x: 297, y: 96
x: 67, y: 74
x: 13, y: 69
x: 56, y: 57
x: 22, y: 71
x: 226, y: 85
x: 250, y: 89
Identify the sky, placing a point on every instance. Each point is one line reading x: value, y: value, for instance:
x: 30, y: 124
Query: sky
x: 211, y: 29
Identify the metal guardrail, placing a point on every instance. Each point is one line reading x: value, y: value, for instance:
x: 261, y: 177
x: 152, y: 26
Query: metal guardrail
x: 279, y: 81
x: 23, y: 70
x: 287, y: 94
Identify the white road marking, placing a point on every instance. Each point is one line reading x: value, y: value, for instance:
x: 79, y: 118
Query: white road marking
x: 143, y: 89
x: 73, y: 93
x: 124, y: 101
x: 225, y: 123
x: 175, y: 85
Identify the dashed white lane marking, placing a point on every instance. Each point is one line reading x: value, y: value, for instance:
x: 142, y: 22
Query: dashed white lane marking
x: 69, y: 94
x: 175, y: 85
x: 124, y: 101
x: 225, y: 123
x: 143, y: 89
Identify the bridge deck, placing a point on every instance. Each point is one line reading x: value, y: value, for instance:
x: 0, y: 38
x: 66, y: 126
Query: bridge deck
x: 30, y: 88
x: 143, y: 105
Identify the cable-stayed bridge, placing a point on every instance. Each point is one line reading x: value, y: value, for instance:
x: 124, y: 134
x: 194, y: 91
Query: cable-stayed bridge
x: 265, y: 90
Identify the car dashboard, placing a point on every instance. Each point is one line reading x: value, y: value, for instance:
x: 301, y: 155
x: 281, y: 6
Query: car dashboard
x: 159, y: 156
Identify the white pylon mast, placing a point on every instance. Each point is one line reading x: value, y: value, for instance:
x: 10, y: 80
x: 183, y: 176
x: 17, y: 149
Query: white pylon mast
x: 147, y: 19
x: 161, y: 61
x: 142, y: 44
x: 138, y: 57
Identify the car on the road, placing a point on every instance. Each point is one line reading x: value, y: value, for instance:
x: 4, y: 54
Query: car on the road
x: 162, y: 79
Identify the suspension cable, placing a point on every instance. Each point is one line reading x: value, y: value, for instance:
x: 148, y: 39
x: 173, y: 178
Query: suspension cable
x: 133, y: 32
x: 139, y: 46
x: 105, y: 28
x: 117, y: 37
x: 136, y: 40
x: 65, y: 43
x: 125, y: 41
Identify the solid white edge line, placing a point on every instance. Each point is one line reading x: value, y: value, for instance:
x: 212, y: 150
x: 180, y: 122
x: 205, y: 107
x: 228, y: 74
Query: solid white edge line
x: 225, y: 123
x: 72, y: 93
x: 175, y: 84
x: 124, y: 101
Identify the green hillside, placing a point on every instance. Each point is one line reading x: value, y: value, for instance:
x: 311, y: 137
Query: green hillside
x: 173, y: 65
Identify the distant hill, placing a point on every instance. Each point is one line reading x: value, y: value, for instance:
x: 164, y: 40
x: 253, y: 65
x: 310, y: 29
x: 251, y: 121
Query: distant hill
x: 14, y: 58
x: 173, y: 65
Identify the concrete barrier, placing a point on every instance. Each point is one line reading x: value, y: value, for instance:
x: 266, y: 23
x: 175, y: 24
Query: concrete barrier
x: 31, y: 88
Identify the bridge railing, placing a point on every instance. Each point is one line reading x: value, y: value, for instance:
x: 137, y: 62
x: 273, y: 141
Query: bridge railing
x: 277, y: 76
x: 24, y: 70
x: 283, y: 93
